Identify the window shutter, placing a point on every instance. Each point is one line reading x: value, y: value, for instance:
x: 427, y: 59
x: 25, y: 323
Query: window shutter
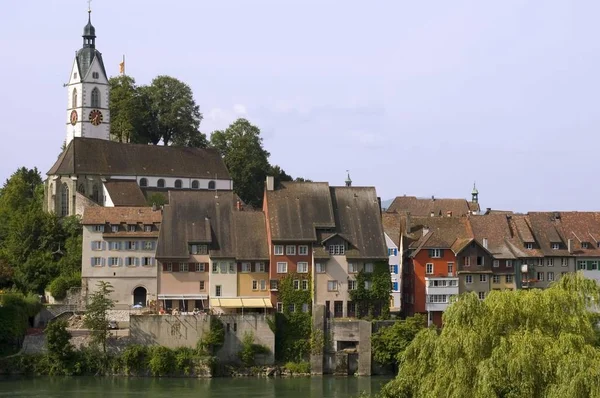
x: 137, y: 261
x: 103, y: 261
x: 152, y: 260
x: 175, y: 267
x: 103, y: 245
x: 430, y: 253
x: 120, y: 261
x: 441, y: 252
x: 92, y: 245
x: 395, y: 269
x: 92, y: 261
x: 395, y: 285
x: 122, y: 245
x: 152, y: 245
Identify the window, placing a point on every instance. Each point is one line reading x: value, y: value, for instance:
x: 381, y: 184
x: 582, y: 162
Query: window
x: 496, y: 279
x: 96, y: 98
x: 215, y: 268
x: 81, y: 189
x: 132, y: 228
x: 279, y: 307
x: 304, y: 284
x: 64, y: 200
x: 95, y: 75
x: 564, y: 262
x: 147, y: 228
x: 98, y: 228
x: 481, y: 295
x: 332, y: 286
x: 392, y: 251
x: 274, y: 284
x: 246, y: 267
x: 303, y: 250
x: 369, y: 268
x: 263, y: 284
x: 336, y: 250
x: 113, y: 261
x: 580, y: 265
x: 278, y: 250
x: 147, y: 261
x: 74, y: 97
x: 352, y: 284
x: 437, y: 298
x: 540, y: 276
x: 435, y: 253
x: 550, y: 276
x: 282, y: 268
x: 584, y: 245
x: 352, y: 268
x: 320, y: 268
x: 199, y: 249
x: 338, y: 309
x: 218, y: 290
x: 178, y: 184
x: 480, y: 260
x: 114, y: 245
x: 232, y: 269
x: 260, y: 267
x: 202, y: 285
x: 550, y: 262
x: 429, y: 268
x: 96, y: 194
x: 96, y: 262
x: 467, y: 261
x: 483, y: 278
x: 469, y: 279
x: 160, y: 183
x: 292, y: 307
x: 223, y: 267
x: 450, y: 269
x: 368, y: 285
x: 211, y: 185
x: 195, y: 184
x: 75, y: 75
x: 290, y: 250
x: 130, y: 261
x: 528, y: 246
x: 169, y: 267
x: 97, y: 245
x: 496, y: 263
x: 296, y: 284
x: 143, y: 182
x: 509, y: 263
x: 254, y: 285
x: 555, y: 246
x: 302, y: 267
x: 184, y: 267
x: 305, y: 307
x: 509, y: 279
x: 114, y: 228
x: 130, y: 245
x: 148, y: 245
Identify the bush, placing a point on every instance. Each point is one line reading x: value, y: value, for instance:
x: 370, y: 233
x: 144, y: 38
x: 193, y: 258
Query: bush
x: 162, y: 361
x: 185, y: 360
x: 134, y: 358
x: 214, y: 339
x: 60, y: 286
x: 15, y: 311
x: 58, y: 340
x: 250, y: 349
x: 298, y: 367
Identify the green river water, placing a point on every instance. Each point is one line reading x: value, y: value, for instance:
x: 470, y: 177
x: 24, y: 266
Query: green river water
x: 71, y: 387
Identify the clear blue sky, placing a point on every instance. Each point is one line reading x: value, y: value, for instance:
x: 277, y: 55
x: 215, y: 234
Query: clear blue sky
x: 414, y: 97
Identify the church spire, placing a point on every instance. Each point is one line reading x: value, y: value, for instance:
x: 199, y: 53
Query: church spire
x: 474, y: 194
x: 89, y: 32
x: 348, y: 180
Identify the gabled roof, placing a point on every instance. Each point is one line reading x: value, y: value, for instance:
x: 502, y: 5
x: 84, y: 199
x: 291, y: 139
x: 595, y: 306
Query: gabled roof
x: 358, y: 220
x: 440, y: 233
x: 125, y: 193
x: 494, y: 228
x: 545, y: 227
x: 423, y: 207
x: 296, y: 209
x: 581, y: 227
x: 394, y: 224
x: 108, y: 158
x: 98, y: 215
x: 250, y: 235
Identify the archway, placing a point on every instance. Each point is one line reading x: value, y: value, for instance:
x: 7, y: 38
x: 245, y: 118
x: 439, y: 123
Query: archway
x: 139, y: 296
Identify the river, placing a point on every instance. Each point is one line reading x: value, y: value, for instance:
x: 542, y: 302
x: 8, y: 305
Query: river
x: 89, y: 387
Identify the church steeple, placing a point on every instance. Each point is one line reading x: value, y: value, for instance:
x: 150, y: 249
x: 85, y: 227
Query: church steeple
x: 89, y: 33
x: 348, y: 180
x: 474, y: 194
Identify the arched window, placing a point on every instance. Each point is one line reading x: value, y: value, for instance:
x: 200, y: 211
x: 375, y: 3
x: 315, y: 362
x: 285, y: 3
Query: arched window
x: 95, y: 194
x: 95, y: 98
x: 177, y: 183
x: 211, y: 185
x: 81, y: 189
x: 195, y: 184
x: 64, y: 200
x: 74, y: 99
x: 160, y: 183
x: 143, y: 182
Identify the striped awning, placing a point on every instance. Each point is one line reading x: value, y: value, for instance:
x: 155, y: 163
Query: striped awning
x: 247, y: 302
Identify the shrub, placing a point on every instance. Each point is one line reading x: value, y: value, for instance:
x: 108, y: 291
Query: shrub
x: 297, y: 367
x: 249, y: 349
x: 58, y: 340
x: 61, y: 285
x: 185, y: 360
x: 214, y: 339
x: 134, y: 358
x: 162, y: 361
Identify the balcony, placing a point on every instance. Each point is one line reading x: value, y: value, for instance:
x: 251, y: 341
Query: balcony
x: 436, y: 306
x: 441, y: 285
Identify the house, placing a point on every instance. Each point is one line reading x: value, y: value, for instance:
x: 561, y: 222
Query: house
x: 425, y: 207
x: 119, y: 247
x: 582, y: 233
x: 394, y: 227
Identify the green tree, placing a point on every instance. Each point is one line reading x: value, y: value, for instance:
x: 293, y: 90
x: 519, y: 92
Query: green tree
x: 177, y: 115
x: 125, y: 108
x: 388, y: 344
x: 96, y: 314
x: 247, y: 161
x: 58, y: 340
x: 524, y: 343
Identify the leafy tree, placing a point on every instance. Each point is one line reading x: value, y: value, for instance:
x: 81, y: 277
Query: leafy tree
x: 58, y: 340
x: 96, y: 314
x: 125, y: 108
x: 389, y: 343
x: 524, y: 343
x: 247, y: 161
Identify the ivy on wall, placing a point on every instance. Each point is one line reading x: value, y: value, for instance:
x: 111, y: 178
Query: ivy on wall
x: 373, y: 303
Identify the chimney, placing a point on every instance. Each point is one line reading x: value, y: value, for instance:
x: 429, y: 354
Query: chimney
x: 485, y: 243
x: 488, y: 210
x: 570, y: 246
x: 239, y: 205
x: 270, y: 183
x: 425, y: 230
x: 378, y: 204
x: 449, y: 213
x: 408, y: 222
x: 432, y: 214
x: 153, y: 206
x: 432, y: 198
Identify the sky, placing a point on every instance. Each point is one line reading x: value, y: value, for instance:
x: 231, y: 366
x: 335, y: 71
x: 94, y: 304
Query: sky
x: 413, y: 97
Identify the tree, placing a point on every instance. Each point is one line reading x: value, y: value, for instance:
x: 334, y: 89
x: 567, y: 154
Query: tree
x: 58, y: 340
x: 246, y: 159
x: 177, y: 115
x: 96, y: 314
x: 388, y: 344
x: 524, y: 343
x: 124, y: 108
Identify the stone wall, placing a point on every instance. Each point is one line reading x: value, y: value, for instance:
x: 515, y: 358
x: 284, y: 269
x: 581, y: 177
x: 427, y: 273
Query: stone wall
x: 236, y: 326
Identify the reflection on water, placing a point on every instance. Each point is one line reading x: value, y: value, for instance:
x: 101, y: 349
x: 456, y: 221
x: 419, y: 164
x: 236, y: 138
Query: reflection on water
x: 70, y: 387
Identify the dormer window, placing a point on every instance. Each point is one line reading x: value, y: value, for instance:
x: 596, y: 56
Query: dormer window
x: 147, y: 228
x: 132, y: 228
x: 198, y: 249
x: 528, y: 245
x: 555, y: 246
x: 98, y: 228
x: 584, y: 245
x: 435, y: 253
x: 336, y: 250
x: 114, y: 228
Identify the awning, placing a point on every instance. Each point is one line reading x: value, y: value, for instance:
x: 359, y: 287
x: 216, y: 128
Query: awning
x: 182, y: 296
x: 255, y: 302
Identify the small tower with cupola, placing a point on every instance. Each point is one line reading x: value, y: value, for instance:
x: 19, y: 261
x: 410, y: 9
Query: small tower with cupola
x: 88, y: 91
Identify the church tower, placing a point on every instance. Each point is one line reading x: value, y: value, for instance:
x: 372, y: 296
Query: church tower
x: 88, y: 91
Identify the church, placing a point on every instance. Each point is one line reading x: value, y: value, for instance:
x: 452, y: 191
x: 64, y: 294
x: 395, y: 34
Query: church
x: 95, y: 171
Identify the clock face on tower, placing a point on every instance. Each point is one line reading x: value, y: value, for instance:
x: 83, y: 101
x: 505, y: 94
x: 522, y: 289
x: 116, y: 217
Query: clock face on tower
x: 74, y: 118
x: 95, y: 117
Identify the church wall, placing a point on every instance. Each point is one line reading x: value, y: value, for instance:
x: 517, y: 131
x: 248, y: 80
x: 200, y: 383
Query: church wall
x: 186, y: 183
